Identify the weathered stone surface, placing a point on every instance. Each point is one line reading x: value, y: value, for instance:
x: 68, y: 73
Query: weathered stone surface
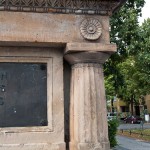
x: 33, y: 146
x: 89, y: 107
x: 29, y: 37
x: 30, y: 29
x: 86, y: 57
x: 103, y: 7
x: 37, y: 138
x: 88, y: 123
x: 90, y: 47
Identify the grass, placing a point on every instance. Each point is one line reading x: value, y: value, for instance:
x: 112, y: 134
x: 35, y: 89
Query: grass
x: 137, y: 134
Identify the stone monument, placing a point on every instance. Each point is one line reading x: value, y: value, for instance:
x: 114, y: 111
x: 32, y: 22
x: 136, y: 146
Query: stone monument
x: 51, y: 67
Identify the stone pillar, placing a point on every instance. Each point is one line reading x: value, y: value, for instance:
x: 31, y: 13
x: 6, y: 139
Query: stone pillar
x: 88, y: 121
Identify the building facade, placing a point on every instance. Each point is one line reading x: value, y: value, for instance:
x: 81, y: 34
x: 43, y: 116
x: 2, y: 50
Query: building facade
x: 52, y: 87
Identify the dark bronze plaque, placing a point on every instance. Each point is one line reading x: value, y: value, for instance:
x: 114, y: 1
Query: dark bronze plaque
x: 23, y: 94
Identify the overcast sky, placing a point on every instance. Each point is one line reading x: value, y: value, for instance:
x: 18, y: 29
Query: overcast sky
x: 145, y: 11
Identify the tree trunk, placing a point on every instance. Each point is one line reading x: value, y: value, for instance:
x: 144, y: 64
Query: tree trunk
x: 112, y: 105
x: 132, y: 101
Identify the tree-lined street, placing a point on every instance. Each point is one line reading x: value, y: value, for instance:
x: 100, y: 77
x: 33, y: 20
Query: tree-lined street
x: 127, y: 71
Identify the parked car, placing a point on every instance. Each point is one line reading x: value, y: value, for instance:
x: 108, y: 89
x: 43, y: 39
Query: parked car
x: 111, y: 115
x: 133, y: 119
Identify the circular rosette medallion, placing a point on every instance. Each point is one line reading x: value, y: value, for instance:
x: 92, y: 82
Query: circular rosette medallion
x: 91, y: 29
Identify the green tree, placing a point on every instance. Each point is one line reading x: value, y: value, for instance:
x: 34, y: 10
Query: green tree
x: 134, y: 86
x: 124, y: 28
x: 125, y: 33
x: 143, y: 52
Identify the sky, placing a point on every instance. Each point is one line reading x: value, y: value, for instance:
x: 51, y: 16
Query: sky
x: 145, y: 11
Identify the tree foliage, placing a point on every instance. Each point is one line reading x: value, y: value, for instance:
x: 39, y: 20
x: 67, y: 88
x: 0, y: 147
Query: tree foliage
x: 127, y: 73
x: 124, y: 27
x: 143, y: 52
x: 112, y: 131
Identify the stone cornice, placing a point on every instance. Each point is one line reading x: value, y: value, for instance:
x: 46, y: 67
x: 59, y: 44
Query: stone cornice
x: 90, y: 47
x: 98, y: 7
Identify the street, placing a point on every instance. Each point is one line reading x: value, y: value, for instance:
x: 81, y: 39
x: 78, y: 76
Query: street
x: 134, y: 126
x: 125, y: 143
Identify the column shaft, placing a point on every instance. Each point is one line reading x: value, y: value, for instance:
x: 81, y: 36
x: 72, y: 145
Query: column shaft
x: 88, y: 121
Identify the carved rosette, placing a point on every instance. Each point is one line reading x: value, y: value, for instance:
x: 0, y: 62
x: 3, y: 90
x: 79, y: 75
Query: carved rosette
x: 91, y: 29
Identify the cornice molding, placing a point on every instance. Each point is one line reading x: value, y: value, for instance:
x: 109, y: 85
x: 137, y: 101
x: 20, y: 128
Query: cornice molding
x: 98, y: 7
x: 90, y: 47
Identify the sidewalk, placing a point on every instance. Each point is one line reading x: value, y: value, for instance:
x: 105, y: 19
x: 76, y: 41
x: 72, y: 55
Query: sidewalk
x: 125, y: 143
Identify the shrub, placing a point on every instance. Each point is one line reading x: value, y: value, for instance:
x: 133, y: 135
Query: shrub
x: 112, y: 131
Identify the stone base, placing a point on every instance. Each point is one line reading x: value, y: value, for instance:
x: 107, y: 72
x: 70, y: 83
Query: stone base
x: 106, y: 145
x: 90, y: 146
x: 33, y: 146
